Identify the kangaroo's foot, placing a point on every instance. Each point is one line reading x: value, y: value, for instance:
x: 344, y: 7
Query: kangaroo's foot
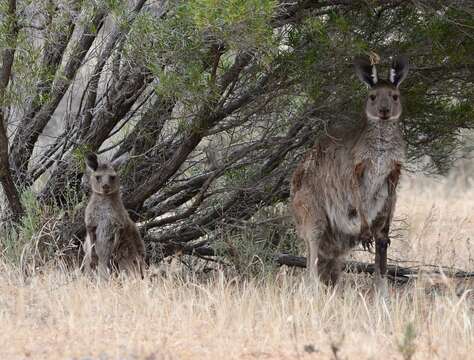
x: 367, y: 239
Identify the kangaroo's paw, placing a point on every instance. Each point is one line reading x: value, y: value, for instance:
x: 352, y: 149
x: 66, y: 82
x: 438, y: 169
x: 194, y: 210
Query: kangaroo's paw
x: 367, y: 240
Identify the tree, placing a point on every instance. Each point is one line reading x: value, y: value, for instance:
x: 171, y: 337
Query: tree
x: 214, y: 101
x: 8, y: 53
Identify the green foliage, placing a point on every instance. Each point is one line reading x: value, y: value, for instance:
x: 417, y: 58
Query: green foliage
x: 18, y: 243
x: 240, y: 24
x: 79, y: 156
x: 172, y: 50
x: 35, y: 241
x: 234, y: 177
x: 435, y: 105
x: 315, y: 55
x: 177, y: 48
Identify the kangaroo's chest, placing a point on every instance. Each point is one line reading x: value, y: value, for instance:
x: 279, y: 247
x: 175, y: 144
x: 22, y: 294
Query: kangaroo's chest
x: 343, y: 208
x: 104, y: 214
x: 374, y: 177
x: 374, y: 188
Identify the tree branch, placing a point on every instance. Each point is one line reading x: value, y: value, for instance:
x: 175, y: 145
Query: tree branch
x: 117, y: 34
x: 397, y: 272
x: 201, y: 124
x: 116, y: 108
x: 30, y: 129
x: 241, y: 204
x: 8, y: 55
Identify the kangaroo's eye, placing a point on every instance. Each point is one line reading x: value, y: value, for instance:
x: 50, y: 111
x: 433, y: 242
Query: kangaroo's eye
x: 97, y: 177
x: 395, y: 97
x: 372, y: 97
x: 112, y: 177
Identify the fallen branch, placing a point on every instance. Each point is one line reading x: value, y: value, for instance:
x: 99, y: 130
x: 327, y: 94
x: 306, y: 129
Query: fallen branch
x: 396, y: 272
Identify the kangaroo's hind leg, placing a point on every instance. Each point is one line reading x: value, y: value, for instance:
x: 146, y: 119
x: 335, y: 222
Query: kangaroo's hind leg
x: 104, y: 247
x: 382, y: 241
x: 312, y: 233
x: 90, y: 258
x: 130, y: 253
x: 330, y: 270
x: 381, y: 230
x: 311, y: 224
x: 313, y: 241
x: 330, y: 262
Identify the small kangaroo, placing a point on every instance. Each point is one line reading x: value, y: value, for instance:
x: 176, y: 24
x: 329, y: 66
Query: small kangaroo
x: 113, y: 241
x: 344, y: 190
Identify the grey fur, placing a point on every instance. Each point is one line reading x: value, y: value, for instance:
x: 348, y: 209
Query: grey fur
x: 344, y: 191
x: 113, y: 241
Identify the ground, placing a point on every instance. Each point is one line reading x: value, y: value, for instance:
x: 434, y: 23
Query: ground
x: 59, y: 315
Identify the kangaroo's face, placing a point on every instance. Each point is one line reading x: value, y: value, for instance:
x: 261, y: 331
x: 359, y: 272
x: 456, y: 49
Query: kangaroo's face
x: 383, y: 101
x: 103, y: 176
x: 105, y: 180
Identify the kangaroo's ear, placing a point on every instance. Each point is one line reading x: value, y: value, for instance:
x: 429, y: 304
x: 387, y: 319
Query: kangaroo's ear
x: 365, y: 70
x: 399, y: 70
x: 122, y: 159
x: 92, y: 162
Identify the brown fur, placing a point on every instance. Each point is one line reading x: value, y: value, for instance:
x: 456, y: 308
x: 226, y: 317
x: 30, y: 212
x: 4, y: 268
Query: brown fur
x: 344, y: 191
x: 113, y: 241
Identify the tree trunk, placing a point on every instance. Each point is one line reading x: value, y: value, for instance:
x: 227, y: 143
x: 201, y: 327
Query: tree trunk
x: 8, y: 55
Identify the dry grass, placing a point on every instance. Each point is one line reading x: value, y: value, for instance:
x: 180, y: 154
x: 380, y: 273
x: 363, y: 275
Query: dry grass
x: 440, y: 219
x: 54, y: 315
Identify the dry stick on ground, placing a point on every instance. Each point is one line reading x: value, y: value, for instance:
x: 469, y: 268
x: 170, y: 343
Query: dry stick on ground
x: 396, y: 272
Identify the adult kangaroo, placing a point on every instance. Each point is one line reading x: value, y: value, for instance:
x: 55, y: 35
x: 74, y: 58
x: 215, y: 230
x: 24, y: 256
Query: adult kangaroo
x: 344, y: 191
x: 113, y: 241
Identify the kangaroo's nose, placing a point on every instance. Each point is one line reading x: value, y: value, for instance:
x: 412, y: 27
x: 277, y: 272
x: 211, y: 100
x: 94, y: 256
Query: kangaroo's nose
x: 106, y: 187
x: 384, y: 112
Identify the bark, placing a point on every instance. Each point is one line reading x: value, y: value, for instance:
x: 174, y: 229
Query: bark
x: 8, y: 54
x: 68, y: 173
x: 30, y: 129
x: 55, y: 45
x: 91, y: 94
